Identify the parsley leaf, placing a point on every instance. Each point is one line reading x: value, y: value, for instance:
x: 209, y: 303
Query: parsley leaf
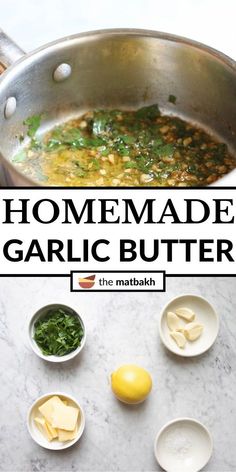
x: 172, y: 99
x: 33, y: 123
x: 20, y: 156
x: 148, y: 113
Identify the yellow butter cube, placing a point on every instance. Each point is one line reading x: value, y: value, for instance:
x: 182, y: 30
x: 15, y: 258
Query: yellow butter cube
x: 42, y: 426
x: 48, y: 407
x: 64, y: 417
x: 52, y: 430
x: 64, y: 435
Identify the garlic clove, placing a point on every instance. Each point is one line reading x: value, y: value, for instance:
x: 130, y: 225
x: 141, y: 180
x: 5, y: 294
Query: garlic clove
x: 179, y: 339
x: 185, y: 313
x: 173, y: 321
x: 181, y: 330
x: 193, y: 331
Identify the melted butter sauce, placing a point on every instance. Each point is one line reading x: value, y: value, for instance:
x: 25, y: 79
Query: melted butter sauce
x: 125, y: 148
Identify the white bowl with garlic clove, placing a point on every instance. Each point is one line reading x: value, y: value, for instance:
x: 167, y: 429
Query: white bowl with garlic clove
x: 188, y: 325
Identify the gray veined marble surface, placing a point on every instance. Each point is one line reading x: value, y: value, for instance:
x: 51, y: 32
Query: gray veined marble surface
x: 121, y: 328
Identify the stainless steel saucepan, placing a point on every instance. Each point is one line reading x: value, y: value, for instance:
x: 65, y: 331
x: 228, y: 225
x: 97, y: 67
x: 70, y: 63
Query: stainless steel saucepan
x: 121, y: 68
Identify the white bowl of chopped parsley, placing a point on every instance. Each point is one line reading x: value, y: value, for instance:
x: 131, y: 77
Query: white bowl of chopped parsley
x: 57, y: 333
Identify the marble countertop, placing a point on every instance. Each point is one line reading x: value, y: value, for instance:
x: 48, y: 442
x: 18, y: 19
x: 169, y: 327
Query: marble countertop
x: 121, y: 328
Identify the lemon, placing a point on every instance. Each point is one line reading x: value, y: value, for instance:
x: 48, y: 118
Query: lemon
x: 131, y: 383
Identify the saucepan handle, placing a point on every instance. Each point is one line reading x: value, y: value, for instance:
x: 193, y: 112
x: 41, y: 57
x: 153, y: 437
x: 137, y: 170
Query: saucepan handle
x: 9, y: 51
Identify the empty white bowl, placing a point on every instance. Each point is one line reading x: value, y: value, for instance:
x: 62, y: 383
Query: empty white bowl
x: 205, y: 315
x: 40, y: 314
x: 38, y: 437
x: 183, y: 445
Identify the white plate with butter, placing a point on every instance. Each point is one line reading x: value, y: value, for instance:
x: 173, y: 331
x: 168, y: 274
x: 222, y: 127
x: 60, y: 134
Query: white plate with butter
x: 200, y: 321
x: 56, y: 421
x: 183, y: 445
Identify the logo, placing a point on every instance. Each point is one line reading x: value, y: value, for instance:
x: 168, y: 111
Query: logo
x: 87, y: 282
x: 118, y: 281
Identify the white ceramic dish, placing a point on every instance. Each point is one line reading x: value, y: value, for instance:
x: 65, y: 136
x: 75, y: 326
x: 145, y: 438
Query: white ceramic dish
x: 205, y: 315
x: 42, y: 312
x: 38, y: 437
x: 183, y: 445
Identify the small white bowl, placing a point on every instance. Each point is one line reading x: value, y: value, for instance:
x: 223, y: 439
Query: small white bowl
x: 183, y: 445
x: 41, y: 313
x: 38, y: 437
x: 205, y: 315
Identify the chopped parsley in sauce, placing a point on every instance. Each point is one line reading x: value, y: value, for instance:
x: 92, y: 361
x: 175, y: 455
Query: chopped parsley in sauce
x: 124, y: 148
